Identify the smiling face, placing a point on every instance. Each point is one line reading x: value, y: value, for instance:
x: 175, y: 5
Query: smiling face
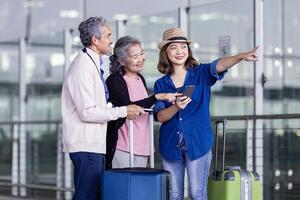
x: 178, y: 53
x: 135, y: 60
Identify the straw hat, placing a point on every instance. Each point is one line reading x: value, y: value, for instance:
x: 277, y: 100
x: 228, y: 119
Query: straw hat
x: 173, y: 35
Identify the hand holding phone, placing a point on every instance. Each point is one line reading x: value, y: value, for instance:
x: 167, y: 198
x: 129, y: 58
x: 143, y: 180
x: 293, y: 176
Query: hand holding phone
x: 183, y: 101
x: 189, y: 91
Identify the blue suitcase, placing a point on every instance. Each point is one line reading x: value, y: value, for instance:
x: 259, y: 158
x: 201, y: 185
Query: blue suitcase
x: 137, y: 183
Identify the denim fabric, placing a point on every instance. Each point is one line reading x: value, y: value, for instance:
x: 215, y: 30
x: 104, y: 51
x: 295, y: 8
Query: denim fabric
x: 193, y: 121
x: 197, y: 170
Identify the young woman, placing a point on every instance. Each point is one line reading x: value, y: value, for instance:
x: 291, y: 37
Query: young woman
x: 127, y: 86
x: 185, y: 134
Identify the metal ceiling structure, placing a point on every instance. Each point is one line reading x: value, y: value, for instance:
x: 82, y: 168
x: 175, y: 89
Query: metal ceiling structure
x: 24, y: 18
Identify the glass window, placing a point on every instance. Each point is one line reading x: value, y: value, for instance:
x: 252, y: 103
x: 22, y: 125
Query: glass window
x: 282, y: 57
x: 9, y: 106
x: 229, y: 25
x: 42, y: 153
x: 149, y: 30
x: 44, y: 76
x: 281, y: 152
x: 49, y: 17
x: 9, y: 80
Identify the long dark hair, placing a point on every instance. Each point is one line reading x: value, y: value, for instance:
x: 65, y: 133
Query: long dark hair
x: 120, y: 53
x: 164, y: 64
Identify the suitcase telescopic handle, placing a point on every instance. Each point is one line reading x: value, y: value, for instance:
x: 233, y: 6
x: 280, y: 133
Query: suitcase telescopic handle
x: 131, y: 156
x: 151, y: 140
x: 223, y: 122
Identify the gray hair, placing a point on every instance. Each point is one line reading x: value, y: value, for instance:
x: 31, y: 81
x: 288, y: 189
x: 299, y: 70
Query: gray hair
x: 121, y: 53
x: 89, y: 28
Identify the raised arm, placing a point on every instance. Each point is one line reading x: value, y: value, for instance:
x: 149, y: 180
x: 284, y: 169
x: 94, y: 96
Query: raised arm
x: 229, y: 61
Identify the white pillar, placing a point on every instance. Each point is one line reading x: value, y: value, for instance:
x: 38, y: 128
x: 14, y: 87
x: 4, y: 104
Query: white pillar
x: 67, y: 168
x: 15, y: 159
x: 59, y: 163
x: 84, y: 10
x: 22, y: 116
x: 120, y: 28
x: 258, y: 86
x: 183, y: 19
x: 249, y: 149
x: 68, y: 176
x: 67, y: 48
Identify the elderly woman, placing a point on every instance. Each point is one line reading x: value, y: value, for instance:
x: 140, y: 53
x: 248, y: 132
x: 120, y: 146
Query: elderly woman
x: 127, y: 86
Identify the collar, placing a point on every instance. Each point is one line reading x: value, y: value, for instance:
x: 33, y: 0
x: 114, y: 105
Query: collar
x: 96, y: 57
x: 188, y: 76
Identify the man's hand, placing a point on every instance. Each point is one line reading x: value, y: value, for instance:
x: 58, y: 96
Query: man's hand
x: 133, y: 111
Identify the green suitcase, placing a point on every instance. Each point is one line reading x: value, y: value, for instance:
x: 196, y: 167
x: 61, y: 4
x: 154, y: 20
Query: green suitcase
x: 233, y: 183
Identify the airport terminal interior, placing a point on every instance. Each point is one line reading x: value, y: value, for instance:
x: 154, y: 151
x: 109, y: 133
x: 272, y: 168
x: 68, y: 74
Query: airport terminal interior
x: 260, y: 101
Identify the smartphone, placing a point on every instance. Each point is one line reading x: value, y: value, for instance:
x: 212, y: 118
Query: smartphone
x: 148, y: 109
x: 189, y: 91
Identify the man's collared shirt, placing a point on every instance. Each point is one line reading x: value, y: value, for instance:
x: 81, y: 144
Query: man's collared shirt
x: 103, y: 80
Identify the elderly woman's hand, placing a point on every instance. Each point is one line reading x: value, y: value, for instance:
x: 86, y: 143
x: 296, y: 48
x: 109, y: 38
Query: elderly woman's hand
x: 170, y: 97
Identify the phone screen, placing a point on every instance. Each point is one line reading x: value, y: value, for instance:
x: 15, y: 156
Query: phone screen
x: 148, y: 109
x: 189, y: 91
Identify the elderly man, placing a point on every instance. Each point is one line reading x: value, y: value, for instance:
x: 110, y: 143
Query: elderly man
x: 85, y: 110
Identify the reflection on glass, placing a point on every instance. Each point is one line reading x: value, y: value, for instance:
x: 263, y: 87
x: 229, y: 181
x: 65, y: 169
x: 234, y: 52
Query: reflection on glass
x: 5, y: 152
x: 228, y: 24
x: 44, y: 76
x: 281, y: 23
x: 149, y: 30
x: 281, y: 152
x: 9, y: 109
x: 9, y: 81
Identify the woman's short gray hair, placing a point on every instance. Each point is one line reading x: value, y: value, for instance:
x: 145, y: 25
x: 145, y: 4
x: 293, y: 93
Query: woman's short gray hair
x: 89, y: 28
x: 121, y: 53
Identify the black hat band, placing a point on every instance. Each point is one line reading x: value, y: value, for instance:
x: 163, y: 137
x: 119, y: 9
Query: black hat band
x: 177, y: 38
